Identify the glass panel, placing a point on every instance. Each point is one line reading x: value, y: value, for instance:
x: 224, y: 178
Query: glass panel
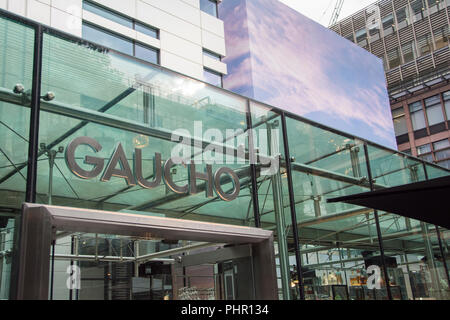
x: 108, y: 14
x: 392, y: 169
x: 434, y: 110
x: 152, y: 32
x: 361, y: 37
x: 112, y: 267
x: 427, y: 157
x: 441, y: 37
x: 409, y: 52
x: 400, y: 125
x: 442, y: 155
x: 328, y: 165
x: 424, y: 44
x: 394, y: 58
x: 146, y: 53
x: 402, y: 17
x: 16, y: 71
x: 140, y: 106
x: 446, y: 96
x: 209, y: 6
x: 408, y: 250
x: 107, y: 39
x: 388, y: 22
x: 417, y: 115
x: 441, y: 144
x: 414, y: 263
x: 445, y: 164
x: 212, y: 77
x: 418, y: 8
x: 273, y: 196
x: 424, y: 149
x: 212, y: 55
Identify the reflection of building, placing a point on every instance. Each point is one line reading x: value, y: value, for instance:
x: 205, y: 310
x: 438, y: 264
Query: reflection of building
x: 121, y: 228
x: 185, y: 36
x: 411, y: 37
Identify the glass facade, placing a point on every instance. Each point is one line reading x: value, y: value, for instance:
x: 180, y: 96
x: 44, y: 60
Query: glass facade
x: 322, y: 250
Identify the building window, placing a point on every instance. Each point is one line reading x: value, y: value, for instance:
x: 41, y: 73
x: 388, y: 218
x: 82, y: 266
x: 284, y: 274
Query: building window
x: 417, y: 116
x: 212, y: 55
x: 424, y: 44
x: 149, y: 31
x: 402, y: 15
x: 424, y: 152
x: 107, y: 39
x: 388, y: 24
x: 409, y: 52
x: 350, y: 38
x: 418, y: 8
x: 441, y: 37
x: 212, y: 77
x: 361, y: 37
x: 107, y: 14
x: 442, y: 149
x: 393, y: 58
x: 446, y: 97
x: 433, y: 2
x: 121, y: 44
x: 400, y: 126
x: 120, y: 19
x: 209, y: 6
x: 146, y: 53
x: 408, y: 152
x: 434, y: 110
x: 445, y: 164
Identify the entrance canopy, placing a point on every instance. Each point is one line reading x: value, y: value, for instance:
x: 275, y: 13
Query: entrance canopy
x: 421, y: 200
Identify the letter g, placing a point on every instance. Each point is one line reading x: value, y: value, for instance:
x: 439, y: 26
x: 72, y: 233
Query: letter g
x: 98, y: 163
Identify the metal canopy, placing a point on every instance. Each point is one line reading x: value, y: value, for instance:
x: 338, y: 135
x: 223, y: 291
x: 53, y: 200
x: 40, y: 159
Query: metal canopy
x: 421, y: 200
x: 40, y: 223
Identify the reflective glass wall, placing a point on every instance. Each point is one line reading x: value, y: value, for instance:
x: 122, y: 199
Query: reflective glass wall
x: 16, y: 67
x: 283, y: 171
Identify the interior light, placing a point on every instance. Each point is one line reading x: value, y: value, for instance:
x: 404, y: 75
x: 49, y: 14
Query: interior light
x: 141, y: 141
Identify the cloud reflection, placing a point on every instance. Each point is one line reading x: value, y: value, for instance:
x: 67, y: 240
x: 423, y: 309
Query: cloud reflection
x: 280, y: 57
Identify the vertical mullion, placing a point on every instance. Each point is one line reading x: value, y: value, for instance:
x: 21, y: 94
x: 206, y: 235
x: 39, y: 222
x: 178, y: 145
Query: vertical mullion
x: 33, y: 145
x: 252, y: 160
x: 377, y: 222
x: 292, y: 206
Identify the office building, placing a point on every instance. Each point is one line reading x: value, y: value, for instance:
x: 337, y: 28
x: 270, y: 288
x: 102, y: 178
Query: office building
x: 411, y: 37
x: 100, y: 200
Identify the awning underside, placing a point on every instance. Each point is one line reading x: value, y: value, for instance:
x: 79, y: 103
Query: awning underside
x: 426, y: 201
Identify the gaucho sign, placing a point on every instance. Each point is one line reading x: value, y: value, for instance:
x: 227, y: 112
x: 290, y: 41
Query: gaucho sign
x: 118, y: 166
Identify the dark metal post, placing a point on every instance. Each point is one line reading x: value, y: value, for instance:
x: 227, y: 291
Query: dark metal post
x: 33, y: 149
x: 377, y: 222
x: 438, y: 234
x: 252, y: 159
x: 33, y: 145
x: 292, y: 207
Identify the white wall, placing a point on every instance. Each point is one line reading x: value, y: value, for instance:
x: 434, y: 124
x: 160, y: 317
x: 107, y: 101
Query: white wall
x: 184, y: 29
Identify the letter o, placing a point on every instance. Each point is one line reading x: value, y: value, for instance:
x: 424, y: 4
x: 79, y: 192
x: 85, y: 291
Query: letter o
x: 236, y: 184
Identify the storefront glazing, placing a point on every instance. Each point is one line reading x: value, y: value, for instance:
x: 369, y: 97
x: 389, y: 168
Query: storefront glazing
x: 112, y: 98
